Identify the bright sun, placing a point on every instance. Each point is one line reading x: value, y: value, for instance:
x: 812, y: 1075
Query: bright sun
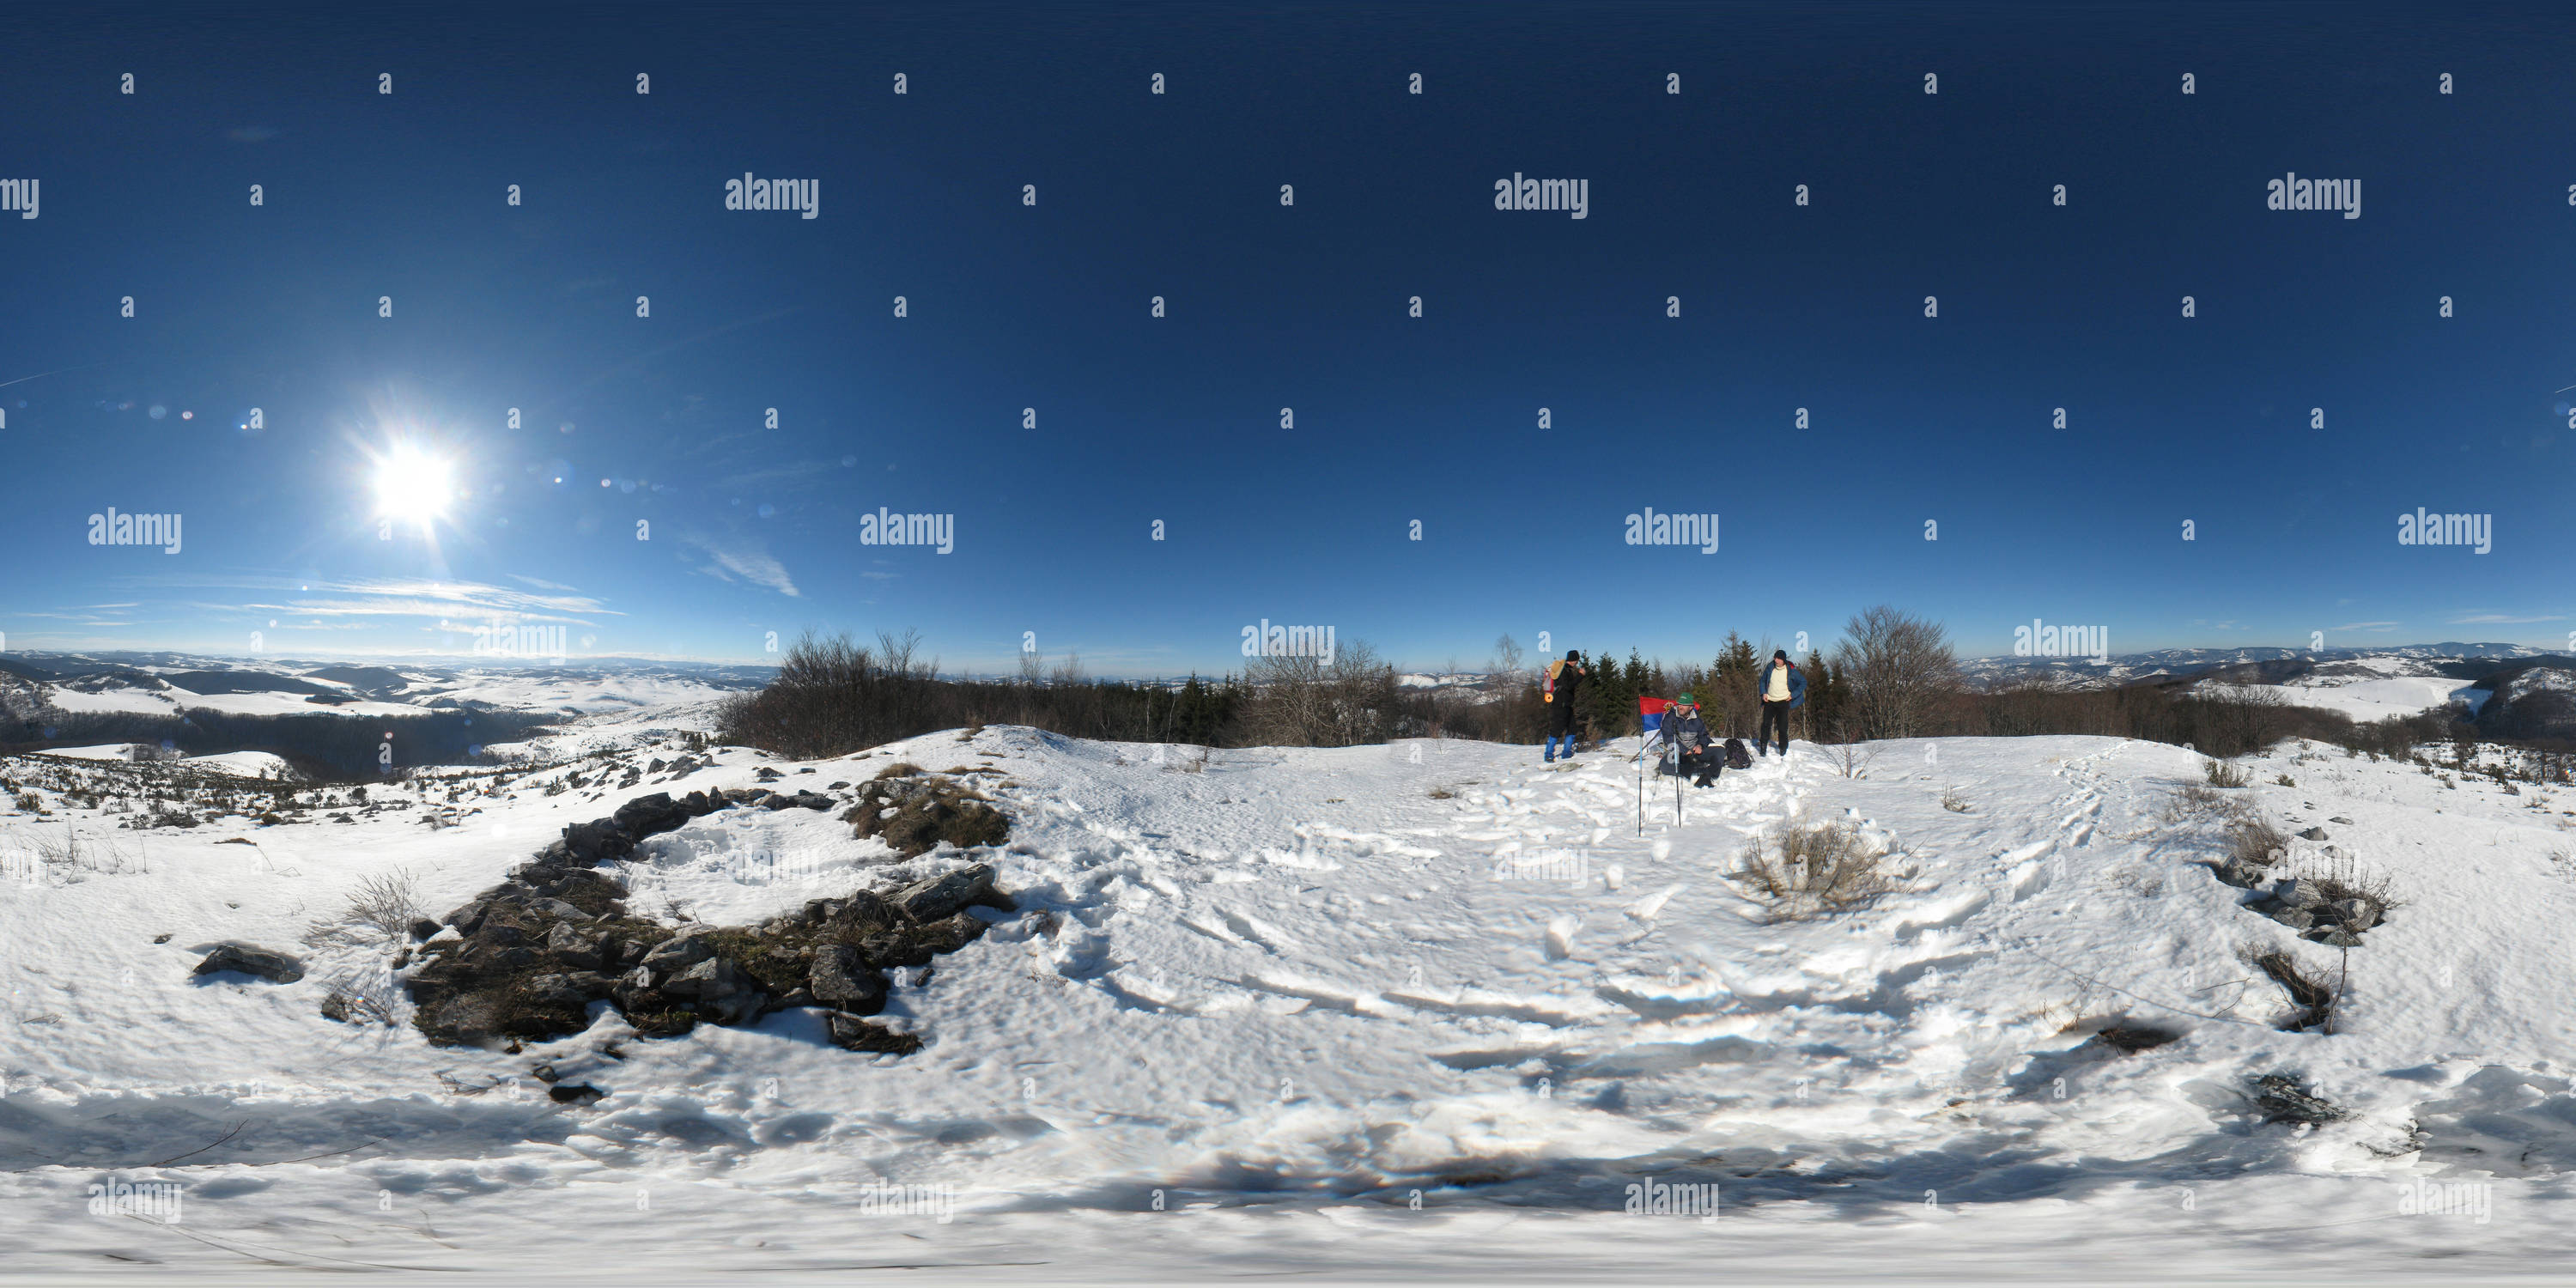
x: 412, y: 486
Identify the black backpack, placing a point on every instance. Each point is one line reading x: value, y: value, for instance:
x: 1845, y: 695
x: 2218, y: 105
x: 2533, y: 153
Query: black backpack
x: 1736, y: 756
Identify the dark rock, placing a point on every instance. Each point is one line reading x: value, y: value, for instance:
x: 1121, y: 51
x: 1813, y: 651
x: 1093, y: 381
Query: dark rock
x: 161, y: 939
x: 2243, y: 876
x: 2295, y: 893
x: 573, y: 948
x: 2313, y: 834
x: 650, y: 816
x: 677, y: 954
x: 545, y: 1073
x: 2345, y: 821
x: 844, y: 981
x: 423, y: 928
x: 722, y: 991
x: 793, y: 998
x: 654, y: 766
x: 575, y: 1094
x: 561, y: 992
x: 2355, y: 914
x: 838, y: 786
x: 915, y: 945
x: 265, y: 963
x: 558, y: 910
x: 939, y: 896
x: 468, y: 918
x: 597, y: 841
x: 767, y: 774
x: 2295, y: 918
x: 854, y: 1034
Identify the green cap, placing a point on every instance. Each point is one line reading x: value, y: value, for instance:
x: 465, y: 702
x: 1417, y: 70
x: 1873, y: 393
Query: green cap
x: 1686, y: 699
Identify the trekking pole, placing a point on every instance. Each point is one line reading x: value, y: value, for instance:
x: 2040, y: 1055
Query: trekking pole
x: 1641, y: 788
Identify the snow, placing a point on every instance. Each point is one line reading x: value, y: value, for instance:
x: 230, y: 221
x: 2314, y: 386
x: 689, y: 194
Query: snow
x: 1244, y: 1015
x: 245, y: 764
x: 2366, y: 700
x: 104, y: 751
x: 115, y: 699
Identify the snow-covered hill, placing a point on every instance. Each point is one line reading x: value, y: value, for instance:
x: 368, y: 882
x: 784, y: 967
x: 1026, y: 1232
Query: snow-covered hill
x: 1430, y: 1006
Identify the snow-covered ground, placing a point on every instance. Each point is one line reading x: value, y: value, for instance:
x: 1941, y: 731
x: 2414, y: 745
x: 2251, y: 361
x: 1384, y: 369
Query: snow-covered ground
x: 1422, y: 1010
x: 2365, y: 700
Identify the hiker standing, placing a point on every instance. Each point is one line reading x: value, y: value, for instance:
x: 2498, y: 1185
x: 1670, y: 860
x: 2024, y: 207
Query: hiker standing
x: 1564, y: 679
x: 1783, y: 689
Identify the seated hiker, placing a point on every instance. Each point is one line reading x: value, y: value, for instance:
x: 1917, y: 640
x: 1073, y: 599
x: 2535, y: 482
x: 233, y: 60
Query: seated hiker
x: 1687, y: 749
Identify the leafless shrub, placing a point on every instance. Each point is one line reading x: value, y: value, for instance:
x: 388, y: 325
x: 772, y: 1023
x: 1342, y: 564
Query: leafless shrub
x: 1442, y: 794
x: 1851, y: 758
x: 362, y: 997
x: 1818, y: 868
x: 2252, y: 841
x: 1305, y: 701
x: 2222, y: 774
x: 1952, y: 801
x: 388, y: 901
x: 2340, y: 876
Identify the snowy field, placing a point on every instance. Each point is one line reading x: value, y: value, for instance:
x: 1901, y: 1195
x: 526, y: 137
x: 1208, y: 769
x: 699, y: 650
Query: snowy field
x: 1420, y: 1011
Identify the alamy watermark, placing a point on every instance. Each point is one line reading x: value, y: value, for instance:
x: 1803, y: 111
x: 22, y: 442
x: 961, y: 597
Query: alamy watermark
x: 19, y: 195
x: 804, y: 196
x: 2291, y: 192
x: 1573, y: 196
x: 1654, y: 529
x: 155, y: 1199
x: 2042, y: 640
x: 515, y: 640
x: 1672, y: 1198
x: 2472, y: 1199
x: 886, y: 528
x: 885, y: 1198
x: 1570, y: 866
x: 2423, y: 529
x: 115, y: 528
x: 1269, y: 639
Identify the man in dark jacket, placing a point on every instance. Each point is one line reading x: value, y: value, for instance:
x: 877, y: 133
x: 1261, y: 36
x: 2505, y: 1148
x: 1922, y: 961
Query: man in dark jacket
x: 1564, y: 680
x: 1687, y: 749
x: 1783, y: 689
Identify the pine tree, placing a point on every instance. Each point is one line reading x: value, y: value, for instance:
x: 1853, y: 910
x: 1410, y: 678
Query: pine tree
x: 1824, y: 698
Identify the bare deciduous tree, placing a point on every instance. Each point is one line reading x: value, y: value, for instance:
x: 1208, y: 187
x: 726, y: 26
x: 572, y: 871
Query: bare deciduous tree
x: 1900, y: 669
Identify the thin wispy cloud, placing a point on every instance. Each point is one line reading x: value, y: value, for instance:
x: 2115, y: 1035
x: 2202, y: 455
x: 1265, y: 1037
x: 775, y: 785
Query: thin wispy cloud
x: 742, y: 559
x: 2500, y: 619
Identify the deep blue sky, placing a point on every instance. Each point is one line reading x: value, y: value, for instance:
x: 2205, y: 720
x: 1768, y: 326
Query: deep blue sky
x: 755, y: 530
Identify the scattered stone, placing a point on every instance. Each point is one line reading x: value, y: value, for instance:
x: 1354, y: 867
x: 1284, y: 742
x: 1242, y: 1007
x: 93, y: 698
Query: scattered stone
x: 2345, y: 821
x: 2130, y: 1039
x: 2295, y: 918
x: 939, y: 896
x: 678, y: 953
x: 573, y: 947
x: 2295, y: 893
x: 2355, y: 914
x: 161, y: 939
x: 915, y: 945
x: 265, y: 963
x: 423, y: 928
x: 844, y: 981
x: 575, y: 1094
x: 854, y: 1034
x: 2284, y: 1099
x: 2313, y: 834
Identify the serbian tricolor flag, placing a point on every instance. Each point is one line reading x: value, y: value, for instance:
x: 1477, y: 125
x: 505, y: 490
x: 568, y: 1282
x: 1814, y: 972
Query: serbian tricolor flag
x: 1652, y: 710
